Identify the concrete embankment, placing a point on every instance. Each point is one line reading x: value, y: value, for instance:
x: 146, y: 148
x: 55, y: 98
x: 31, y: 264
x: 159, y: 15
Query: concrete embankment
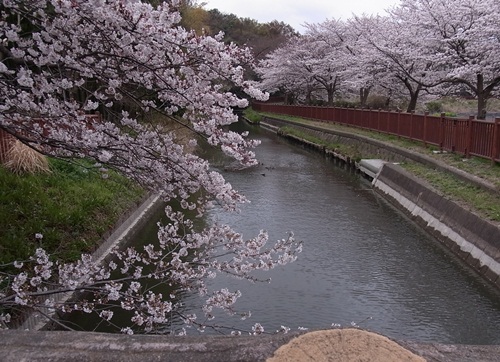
x: 126, y: 227
x: 474, y: 240
x: 377, y: 149
x: 334, y: 345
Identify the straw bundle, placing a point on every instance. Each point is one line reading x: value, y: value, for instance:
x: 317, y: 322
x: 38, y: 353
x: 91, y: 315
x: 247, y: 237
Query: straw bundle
x: 22, y: 159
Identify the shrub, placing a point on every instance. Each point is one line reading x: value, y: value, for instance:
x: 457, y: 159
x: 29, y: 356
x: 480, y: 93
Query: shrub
x: 22, y: 159
x: 434, y: 107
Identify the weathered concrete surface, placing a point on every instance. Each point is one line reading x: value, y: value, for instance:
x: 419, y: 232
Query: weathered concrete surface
x: 16, y: 346
x: 371, y: 167
x: 125, y: 229
x: 20, y: 346
x: 473, y: 239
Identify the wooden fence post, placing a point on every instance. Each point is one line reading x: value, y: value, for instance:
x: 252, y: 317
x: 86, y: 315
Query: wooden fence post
x: 411, y: 125
x: 468, y: 140
x: 496, y: 141
x: 399, y: 120
x: 441, y: 132
x: 378, y: 119
x: 426, y: 113
x: 5, y: 144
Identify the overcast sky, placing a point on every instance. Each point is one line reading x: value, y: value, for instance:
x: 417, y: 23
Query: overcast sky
x: 297, y: 12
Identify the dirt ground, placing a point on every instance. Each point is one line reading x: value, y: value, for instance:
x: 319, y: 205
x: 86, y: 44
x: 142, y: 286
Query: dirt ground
x: 343, y: 345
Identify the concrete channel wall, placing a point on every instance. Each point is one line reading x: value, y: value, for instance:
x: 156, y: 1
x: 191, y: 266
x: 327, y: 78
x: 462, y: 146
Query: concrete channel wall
x: 474, y: 240
x: 129, y: 224
x: 378, y: 149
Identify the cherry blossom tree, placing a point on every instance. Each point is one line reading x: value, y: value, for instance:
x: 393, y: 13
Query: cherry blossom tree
x: 61, y: 60
x: 286, y: 70
x: 310, y: 66
x: 461, y: 38
x: 332, y: 45
x: 394, y: 52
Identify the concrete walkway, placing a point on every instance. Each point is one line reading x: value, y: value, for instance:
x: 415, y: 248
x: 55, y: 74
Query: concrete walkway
x: 343, y: 345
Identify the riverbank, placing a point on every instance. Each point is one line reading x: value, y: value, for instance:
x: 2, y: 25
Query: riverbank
x: 69, y: 346
x: 69, y: 211
x: 129, y: 224
x: 73, y: 207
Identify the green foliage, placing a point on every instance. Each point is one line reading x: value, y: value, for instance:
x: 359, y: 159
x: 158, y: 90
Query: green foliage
x: 434, y: 107
x: 351, y: 151
x: 261, y: 37
x: 72, y: 207
x: 378, y: 102
x: 345, y: 104
x: 252, y: 115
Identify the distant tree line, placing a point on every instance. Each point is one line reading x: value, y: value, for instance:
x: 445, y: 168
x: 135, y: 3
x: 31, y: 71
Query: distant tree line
x: 422, y: 49
x: 262, y: 38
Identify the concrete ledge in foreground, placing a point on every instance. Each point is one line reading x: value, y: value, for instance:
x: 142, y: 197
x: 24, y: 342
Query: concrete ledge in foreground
x: 16, y: 346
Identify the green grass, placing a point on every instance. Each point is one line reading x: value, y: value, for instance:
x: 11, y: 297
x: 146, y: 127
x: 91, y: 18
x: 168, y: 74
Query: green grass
x: 252, y: 115
x: 469, y: 196
x: 72, y: 207
x: 348, y: 150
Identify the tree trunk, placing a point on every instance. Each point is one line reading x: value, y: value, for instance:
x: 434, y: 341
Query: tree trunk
x: 363, y: 96
x: 330, y: 92
x: 482, y: 97
x: 413, y: 97
x: 308, y: 97
x: 413, y: 102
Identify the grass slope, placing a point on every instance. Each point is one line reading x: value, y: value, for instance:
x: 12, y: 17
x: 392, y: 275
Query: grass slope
x: 72, y: 207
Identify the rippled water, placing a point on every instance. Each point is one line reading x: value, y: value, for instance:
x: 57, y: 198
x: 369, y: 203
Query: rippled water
x: 363, y: 261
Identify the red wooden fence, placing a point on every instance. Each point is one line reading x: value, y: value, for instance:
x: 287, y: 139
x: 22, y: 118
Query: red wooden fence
x: 5, y: 144
x: 464, y: 136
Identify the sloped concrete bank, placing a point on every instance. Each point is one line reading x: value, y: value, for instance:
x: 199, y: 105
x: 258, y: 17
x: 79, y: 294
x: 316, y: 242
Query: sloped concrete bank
x: 124, y: 230
x: 474, y: 240
x: 18, y: 345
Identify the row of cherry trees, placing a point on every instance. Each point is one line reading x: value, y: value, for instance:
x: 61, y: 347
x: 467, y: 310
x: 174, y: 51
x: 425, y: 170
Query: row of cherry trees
x: 61, y: 59
x: 420, y: 47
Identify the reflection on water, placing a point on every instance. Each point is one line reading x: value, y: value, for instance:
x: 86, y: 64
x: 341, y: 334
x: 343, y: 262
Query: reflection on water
x: 363, y: 262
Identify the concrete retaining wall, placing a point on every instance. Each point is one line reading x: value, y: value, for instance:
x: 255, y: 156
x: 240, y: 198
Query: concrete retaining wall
x: 474, y: 240
x: 16, y: 346
x: 127, y: 226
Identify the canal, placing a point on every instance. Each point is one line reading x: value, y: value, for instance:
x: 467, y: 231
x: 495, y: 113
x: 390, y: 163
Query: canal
x: 363, y: 263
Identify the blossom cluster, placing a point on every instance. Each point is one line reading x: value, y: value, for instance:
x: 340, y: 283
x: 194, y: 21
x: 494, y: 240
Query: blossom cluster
x: 419, y: 48
x: 61, y: 61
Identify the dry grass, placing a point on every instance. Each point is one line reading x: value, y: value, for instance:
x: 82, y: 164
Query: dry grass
x: 22, y: 159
